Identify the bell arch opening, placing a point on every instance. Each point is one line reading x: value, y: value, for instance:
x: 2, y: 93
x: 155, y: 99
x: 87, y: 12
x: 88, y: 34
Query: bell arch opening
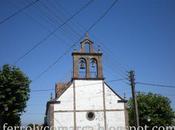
x: 82, y: 66
x: 93, y: 68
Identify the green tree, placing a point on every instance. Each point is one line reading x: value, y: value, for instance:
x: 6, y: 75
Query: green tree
x: 14, y: 93
x: 154, y: 110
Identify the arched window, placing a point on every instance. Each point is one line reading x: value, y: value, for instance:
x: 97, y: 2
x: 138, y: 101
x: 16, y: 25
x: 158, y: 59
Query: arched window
x: 93, y: 68
x: 82, y: 68
x: 87, y: 47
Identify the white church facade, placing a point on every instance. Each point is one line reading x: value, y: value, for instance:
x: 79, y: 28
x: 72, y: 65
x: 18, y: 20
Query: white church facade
x: 86, y: 102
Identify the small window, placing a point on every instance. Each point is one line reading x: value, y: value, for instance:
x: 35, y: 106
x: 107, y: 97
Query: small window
x: 87, y: 47
x: 90, y: 116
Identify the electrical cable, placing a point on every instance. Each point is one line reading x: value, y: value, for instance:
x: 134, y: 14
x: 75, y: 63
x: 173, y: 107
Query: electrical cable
x: 18, y: 11
x: 40, y: 24
x: 105, y: 47
x: 54, y: 31
x: 156, y: 85
x: 102, y: 16
x: 59, y: 58
x: 110, y: 81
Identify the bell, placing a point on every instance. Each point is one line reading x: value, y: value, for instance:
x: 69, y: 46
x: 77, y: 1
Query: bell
x: 82, y: 65
x: 93, y: 64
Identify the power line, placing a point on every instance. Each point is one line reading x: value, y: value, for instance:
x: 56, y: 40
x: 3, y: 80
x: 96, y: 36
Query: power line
x: 102, y: 16
x: 18, y: 11
x: 113, y: 67
x: 51, y: 22
x: 33, y: 114
x: 156, y: 85
x: 56, y: 19
x: 64, y: 13
x: 70, y: 22
x: 53, y: 32
x: 123, y: 66
x: 38, y: 22
x: 163, y: 94
x: 57, y: 16
x: 55, y: 62
x: 42, y: 90
x: 107, y: 50
x: 110, y: 81
x: 59, y: 58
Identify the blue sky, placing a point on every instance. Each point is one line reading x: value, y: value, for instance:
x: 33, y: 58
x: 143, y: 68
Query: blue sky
x: 136, y: 34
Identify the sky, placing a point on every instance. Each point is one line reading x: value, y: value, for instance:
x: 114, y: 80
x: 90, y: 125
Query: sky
x: 135, y: 35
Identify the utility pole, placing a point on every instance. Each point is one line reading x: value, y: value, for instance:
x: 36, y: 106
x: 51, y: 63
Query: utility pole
x: 132, y: 83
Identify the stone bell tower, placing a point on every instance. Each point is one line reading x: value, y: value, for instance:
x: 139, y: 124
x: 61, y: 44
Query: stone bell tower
x: 87, y: 63
x: 87, y: 101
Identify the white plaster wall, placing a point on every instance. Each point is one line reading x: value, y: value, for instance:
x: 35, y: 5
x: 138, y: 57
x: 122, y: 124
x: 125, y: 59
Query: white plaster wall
x: 89, y: 94
x: 64, y: 119
x: 83, y: 122
x: 66, y: 100
x: 115, y: 119
x: 112, y: 99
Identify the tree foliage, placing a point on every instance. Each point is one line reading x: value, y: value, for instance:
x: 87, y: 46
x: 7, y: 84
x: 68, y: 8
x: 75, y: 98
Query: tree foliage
x: 14, y: 93
x: 154, y: 110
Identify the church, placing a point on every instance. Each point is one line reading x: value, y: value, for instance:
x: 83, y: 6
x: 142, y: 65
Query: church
x: 87, y: 101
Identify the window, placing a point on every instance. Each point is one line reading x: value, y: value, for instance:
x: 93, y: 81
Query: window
x: 93, y: 68
x: 90, y: 116
x: 82, y: 68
